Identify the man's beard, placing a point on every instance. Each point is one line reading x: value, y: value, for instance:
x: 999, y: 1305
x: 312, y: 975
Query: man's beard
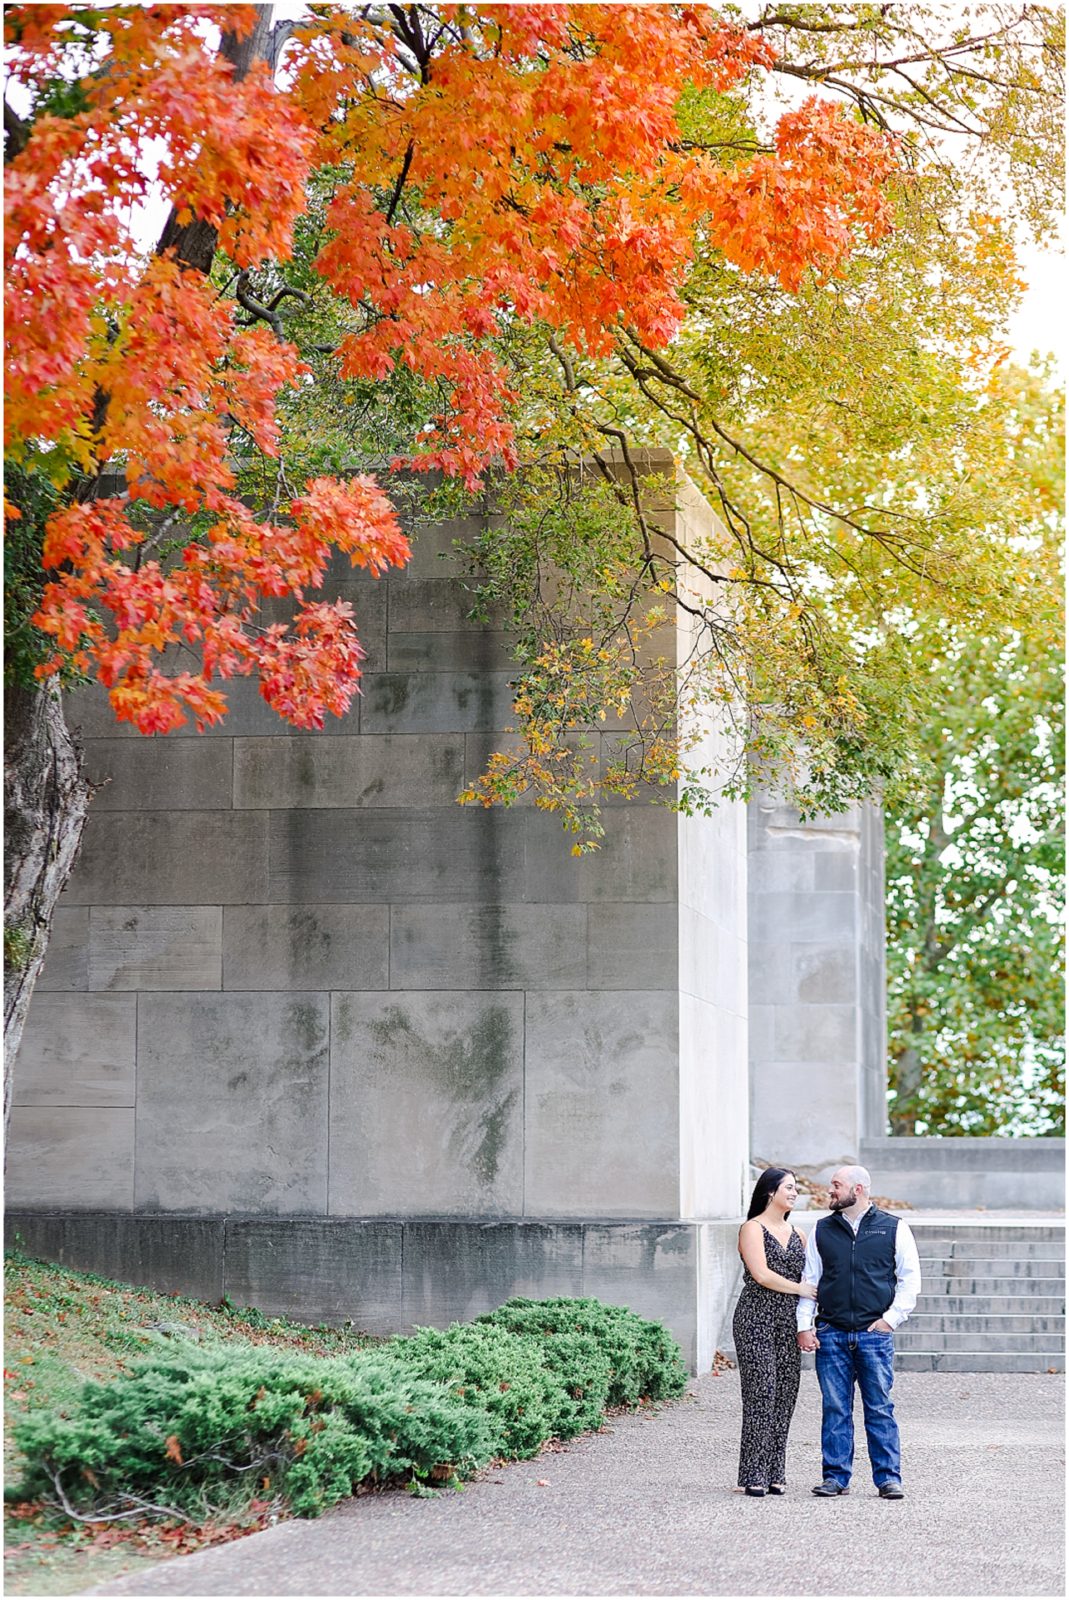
x: 842, y: 1205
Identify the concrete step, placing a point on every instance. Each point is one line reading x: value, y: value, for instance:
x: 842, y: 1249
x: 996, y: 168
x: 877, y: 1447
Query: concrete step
x: 979, y: 1242
x: 976, y: 1342
x: 991, y: 1267
x: 978, y: 1361
x: 1008, y: 1236
x: 980, y: 1305
x: 997, y: 1325
x: 1048, y: 1288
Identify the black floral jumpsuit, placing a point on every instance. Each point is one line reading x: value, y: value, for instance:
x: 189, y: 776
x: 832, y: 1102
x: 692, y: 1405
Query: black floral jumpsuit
x: 770, y: 1364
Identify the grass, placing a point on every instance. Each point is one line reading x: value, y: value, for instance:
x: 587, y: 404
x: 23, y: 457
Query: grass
x: 62, y: 1327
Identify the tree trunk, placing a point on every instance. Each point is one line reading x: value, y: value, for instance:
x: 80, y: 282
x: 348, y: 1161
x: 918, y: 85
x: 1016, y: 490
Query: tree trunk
x: 907, y: 1081
x: 46, y: 799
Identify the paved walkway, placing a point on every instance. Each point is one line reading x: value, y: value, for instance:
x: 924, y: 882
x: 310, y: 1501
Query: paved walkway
x: 646, y: 1508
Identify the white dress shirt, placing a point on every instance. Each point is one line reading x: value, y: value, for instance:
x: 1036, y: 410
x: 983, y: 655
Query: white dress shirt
x: 907, y: 1275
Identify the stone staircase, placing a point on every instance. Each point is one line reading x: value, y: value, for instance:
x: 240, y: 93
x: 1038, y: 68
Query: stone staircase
x: 992, y: 1298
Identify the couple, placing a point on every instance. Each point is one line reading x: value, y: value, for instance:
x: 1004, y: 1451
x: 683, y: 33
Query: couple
x: 859, y: 1274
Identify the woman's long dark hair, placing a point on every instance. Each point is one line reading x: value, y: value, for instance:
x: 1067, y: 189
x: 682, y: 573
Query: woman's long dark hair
x: 765, y: 1188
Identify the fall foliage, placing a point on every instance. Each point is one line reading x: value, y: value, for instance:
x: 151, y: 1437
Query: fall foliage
x: 463, y: 240
x: 540, y: 147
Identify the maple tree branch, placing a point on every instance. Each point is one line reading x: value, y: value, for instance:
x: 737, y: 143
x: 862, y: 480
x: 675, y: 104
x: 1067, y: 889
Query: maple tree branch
x: 258, y: 311
x: 16, y: 133
x: 895, y: 544
x: 401, y: 176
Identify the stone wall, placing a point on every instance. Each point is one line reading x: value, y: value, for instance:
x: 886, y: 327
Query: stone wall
x: 291, y: 979
x: 985, y: 1173
x: 816, y: 974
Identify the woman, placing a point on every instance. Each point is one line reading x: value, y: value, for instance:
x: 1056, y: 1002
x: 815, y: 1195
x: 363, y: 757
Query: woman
x: 773, y: 1254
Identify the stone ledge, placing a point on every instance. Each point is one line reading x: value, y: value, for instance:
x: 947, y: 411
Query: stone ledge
x: 388, y: 1275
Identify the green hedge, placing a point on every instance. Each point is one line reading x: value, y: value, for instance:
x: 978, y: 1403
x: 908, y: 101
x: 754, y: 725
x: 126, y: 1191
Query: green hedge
x: 644, y: 1360
x: 197, y: 1428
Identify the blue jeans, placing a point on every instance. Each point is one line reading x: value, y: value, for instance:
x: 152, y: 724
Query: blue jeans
x: 866, y: 1359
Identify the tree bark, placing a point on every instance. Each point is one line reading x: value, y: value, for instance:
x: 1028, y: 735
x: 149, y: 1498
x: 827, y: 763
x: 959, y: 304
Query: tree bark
x: 46, y: 799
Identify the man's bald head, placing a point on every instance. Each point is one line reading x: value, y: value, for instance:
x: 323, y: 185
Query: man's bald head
x: 849, y: 1190
x: 856, y: 1177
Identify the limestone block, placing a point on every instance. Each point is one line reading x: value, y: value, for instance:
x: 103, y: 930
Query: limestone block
x: 435, y: 702
x: 777, y: 816
x: 836, y: 870
x: 762, y: 1024
x: 77, y: 1050
x: 713, y: 1109
x: 183, y: 858
x: 318, y: 1269
x: 822, y: 976
x: 705, y: 951
x: 71, y: 1156
x: 152, y: 774
x: 455, y: 1271
x: 155, y: 947
x: 601, y: 1106
x: 633, y: 945
x: 810, y: 974
x: 438, y: 547
x: 719, y: 1279
x: 232, y: 1102
x: 799, y: 918
x: 437, y: 605
x: 776, y: 871
x: 394, y: 856
x: 1018, y: 1156
x: 815, y: 1033
x: 482, y: 650
x: 174, y: 1255
x: 369, y: 770
x: 294, y: 948
x: 426, y: 1104
x: 67, y: 959
x: 804, y: 1114
x: 771, y: 978
x: 250, y: 715
x: 487, y: 947
x: 652, y: 1270
x: 636, y: 861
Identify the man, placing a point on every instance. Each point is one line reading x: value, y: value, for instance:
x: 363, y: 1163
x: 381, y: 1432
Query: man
x: 863, y: 1263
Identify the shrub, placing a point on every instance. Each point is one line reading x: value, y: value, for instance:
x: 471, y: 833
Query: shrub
x: 194, y: 1428
x: 198, y: 1428
x: 644, y: 1360
x: 506, y: 1379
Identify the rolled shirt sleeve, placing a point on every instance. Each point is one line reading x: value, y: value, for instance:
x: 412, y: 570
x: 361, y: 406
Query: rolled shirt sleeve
x: 806, y: 1310
x: 907, y: 1276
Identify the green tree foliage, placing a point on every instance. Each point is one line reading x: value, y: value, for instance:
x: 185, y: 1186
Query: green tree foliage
x: 975, y: 828
x: 858, y: 438
x: 975, y: 906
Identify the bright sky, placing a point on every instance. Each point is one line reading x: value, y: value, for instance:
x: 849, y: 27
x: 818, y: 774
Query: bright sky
x: 1040, y: 323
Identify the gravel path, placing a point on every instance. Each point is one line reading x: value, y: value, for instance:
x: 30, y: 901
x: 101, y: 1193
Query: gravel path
x: 646, y: 1508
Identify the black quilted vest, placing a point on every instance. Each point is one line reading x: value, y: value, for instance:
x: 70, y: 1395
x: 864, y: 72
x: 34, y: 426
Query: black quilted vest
x: 857, y: 1278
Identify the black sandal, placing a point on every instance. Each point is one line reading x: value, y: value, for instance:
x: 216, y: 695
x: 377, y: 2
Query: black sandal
x: 755, y: 1493
x: 777, y: 1488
